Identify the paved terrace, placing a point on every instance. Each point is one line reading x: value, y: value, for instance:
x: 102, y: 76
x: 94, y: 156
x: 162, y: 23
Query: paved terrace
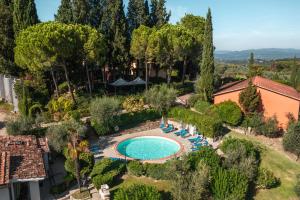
x: 108, y: 143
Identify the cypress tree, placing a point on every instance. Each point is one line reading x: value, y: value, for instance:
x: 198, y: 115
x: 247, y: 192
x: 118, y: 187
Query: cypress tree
x: 159, y: 15
x: 205, y: 85
x: 147, y: 12
x: 81, y: 11
x: 136, y: 14
x: 96, y: 12
x: 295, y: 75
x: 114, y: 27
x: 24, y: 14
x: 251, y: 70
x: 65, y: 12
x: 6, y: 38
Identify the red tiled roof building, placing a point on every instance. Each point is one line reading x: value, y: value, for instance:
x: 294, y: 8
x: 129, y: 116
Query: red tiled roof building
x: 278, y: 100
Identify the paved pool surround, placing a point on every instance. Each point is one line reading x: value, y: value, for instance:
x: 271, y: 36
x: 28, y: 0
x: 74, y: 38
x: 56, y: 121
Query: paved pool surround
x: 108, y: 144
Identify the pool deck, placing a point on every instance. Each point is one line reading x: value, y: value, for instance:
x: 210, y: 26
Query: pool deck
x: 108, y: 143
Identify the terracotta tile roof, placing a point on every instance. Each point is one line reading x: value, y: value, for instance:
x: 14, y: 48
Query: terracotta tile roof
x: 21, y: 158
x: 184, y: 99
x: 261, y: 82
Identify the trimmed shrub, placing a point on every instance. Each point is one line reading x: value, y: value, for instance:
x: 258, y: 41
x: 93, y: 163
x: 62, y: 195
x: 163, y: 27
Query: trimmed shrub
x: 202, y: 106
x: 135, y: 168
x: 156, y: 171
x: 209, y: 125
x: 266, y: 179
x: 106, y: 171
x: 229, y: 184
x: 229, y: 113
x: 234, y: 143
x: 138, y: 192
x: 206, y: 155
x: 133, y: 104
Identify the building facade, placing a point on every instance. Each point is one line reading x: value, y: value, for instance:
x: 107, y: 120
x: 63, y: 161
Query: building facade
x: 278, y: 100
x: 23, y: 166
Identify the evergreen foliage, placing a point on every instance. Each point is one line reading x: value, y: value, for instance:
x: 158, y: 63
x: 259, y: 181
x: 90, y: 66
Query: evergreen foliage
x: 114, y: 26
x: 6, y: 39
x: 230, y: 112
x: 250, y: 99
x: 291, y: 140
x: 65, y: 12
x: 229, y: 184
x: 24, y: 15
x: 81, y: 11
x: 138, y: 192
x: 158, y: 14
x: 205, y: 85
x: 295, y: 75
x: 137, y: 14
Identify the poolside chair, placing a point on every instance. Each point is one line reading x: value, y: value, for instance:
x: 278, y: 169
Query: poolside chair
x: 198, y: 138
x: 162, y: 125
x: 185, y: 134
x: 169, y: 129
x: 178, y: 133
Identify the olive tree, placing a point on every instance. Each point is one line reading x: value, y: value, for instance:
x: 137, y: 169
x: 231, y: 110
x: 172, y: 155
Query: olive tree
x: 161, y: 98
x: 291, y: 140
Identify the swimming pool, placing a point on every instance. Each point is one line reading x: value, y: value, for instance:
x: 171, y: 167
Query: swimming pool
x: 148, y: 147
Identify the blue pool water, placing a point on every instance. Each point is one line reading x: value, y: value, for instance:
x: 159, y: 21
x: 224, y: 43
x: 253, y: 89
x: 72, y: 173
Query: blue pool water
x: 148, y: 148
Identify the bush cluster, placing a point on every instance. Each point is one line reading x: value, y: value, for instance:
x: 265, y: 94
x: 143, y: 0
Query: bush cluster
x: 138, y: 192
x: 268, y: 127
x: 129, y: 120
x: 133, y: 104
x: 20, y: 126
x: 297, y: 186
x: 202, y: 106
x: 266, y: 179
x: 229, y: 184
x: 106, y: 171
x: 135, y: 168
x: 209, y: 125
x: 229, y: 112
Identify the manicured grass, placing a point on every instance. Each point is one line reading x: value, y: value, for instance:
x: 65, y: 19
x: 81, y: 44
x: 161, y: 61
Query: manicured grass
x: 281, y: 166
x: 163, y: 186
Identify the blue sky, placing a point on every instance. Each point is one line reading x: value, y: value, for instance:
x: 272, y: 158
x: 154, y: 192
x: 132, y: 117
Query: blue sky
x: 238, y: 24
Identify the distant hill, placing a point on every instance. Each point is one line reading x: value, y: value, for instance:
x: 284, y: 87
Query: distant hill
x: 264, y: 54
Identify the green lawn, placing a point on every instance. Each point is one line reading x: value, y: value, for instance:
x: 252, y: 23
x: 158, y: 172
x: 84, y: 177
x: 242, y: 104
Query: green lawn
x: 282, y: 167
x: 163, y: 186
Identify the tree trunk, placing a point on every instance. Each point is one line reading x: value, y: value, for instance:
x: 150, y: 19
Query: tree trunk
x: 169, y: 73
x: 55, y: 83
x: 77, y: 170
x: 156, y: 72
x: 68, y: 82
x: 183, y: 71
x: 88, y: 77
x: 146, y: 67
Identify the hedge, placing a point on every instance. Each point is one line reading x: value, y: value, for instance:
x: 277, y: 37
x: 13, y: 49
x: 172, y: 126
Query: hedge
x: 138, y: 192
x: 229, y: 112
x: 209, y: 125
x: 135, y: 168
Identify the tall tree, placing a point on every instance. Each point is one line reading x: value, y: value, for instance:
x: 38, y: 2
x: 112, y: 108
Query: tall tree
x: 159, y: 15
x: 81, y: 11
x: 65, y: 12
x: 24, y: 14
x: 139, y: 44
x: 205, y: 85
x: 136, y: 14
x: 6, y: 39
x: 95, y: 12
x: 251, y: 67
x: 114, y: 26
